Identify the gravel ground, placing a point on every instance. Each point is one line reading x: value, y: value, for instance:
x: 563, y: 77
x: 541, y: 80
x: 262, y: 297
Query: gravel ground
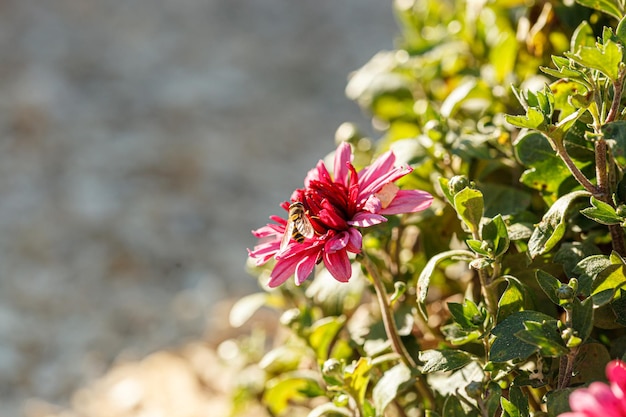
x: 141, y: 142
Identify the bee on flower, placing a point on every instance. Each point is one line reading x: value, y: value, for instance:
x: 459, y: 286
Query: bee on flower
x: 325, y: 216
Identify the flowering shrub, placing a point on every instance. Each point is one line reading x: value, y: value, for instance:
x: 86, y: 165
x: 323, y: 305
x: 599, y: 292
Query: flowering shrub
x: 476, y: 265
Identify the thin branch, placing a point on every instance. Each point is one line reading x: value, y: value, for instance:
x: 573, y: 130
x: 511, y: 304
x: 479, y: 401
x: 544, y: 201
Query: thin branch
x: 392, y: 330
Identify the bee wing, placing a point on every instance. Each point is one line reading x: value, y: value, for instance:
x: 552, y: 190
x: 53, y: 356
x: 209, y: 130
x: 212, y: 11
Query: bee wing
x: 287, y: 235
x: 305, y: 227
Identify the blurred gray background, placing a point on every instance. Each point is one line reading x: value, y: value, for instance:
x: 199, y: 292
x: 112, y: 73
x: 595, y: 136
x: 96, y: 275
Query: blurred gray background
x: 141, y: 142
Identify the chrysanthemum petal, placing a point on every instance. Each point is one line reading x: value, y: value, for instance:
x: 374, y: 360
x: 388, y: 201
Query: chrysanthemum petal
x: 381, y: 166
x: 365, y: 219
x: 338, y: 264
x: 343, y: 157
x: 356, y: 240
x: 283, y: 269
x: 337, y: 242
x: 375, y: 184
x: 304, y: 268
x: 263, y: 252
x: 408, y: 201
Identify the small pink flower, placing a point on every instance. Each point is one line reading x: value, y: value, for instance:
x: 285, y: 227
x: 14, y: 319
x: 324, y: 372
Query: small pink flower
x: 337, y: 205
x: 600, y: 399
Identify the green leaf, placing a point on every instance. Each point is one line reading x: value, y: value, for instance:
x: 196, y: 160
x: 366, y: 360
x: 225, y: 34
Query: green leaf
x: 322, y: 334
x: 357, y: 377
x: 534, y: 119
x: 549, y: 285
x: 495, y: 231
x: 552, y: 227
x: 544, y: 335
x: 587, y: 270
x: 590, y: 363
x: 558, y: 401
x: 605, y: 58
x: 615, y: 135
x: 282, y: 359
x: 507, y: 346
x: 387, y: 389
x: 582, y: 318
x: 546, y: 170
x: 452, y: 407
x: 582, y: 36
x: 504, y: 199
x: 620, y: 32
x: 443, y: 184
x: 610, y: 7
x: 443, y: 360
x: 290, y: 387
x: 469, y: 206
x: 423, y: 281
x: 609, y: 280
x: 493, y: 400
x: 619, y: 307
x: 467, y: 315
x: 245, y: 307
x: 512, y: 299
x: 601, y: 212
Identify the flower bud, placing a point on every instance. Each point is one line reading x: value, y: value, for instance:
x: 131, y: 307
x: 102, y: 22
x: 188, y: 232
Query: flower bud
x: 474, y: 389
x: 565, y: 292
x: 332, y: 367
x: 458, y: 183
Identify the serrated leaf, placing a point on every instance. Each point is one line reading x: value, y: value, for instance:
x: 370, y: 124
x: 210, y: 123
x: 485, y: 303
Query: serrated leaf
x: 546, y: 171
x: 533, y: 119
x: 549, y: 285
x: 604, y: 58
x: 601, y: 212
x: 387, y: 388
x: 507, y: 346
x: 552, y: 227
x: 469, y: 205
x: 443, y: 360
x: 423, y: 281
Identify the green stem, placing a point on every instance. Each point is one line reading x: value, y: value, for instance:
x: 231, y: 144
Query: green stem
x: 577, y: 173
x: 392, y: 330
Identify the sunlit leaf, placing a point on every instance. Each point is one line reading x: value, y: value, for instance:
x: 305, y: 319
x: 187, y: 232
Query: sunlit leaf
x: 552, y: 227
x: 389, y: 386
x: 423, y: 281
x: 611, y: 7
x: 443, y: 360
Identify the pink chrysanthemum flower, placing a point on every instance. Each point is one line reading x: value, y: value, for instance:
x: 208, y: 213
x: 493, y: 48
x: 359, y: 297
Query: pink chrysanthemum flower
x: 336, y: 207
x: 600, y: 399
